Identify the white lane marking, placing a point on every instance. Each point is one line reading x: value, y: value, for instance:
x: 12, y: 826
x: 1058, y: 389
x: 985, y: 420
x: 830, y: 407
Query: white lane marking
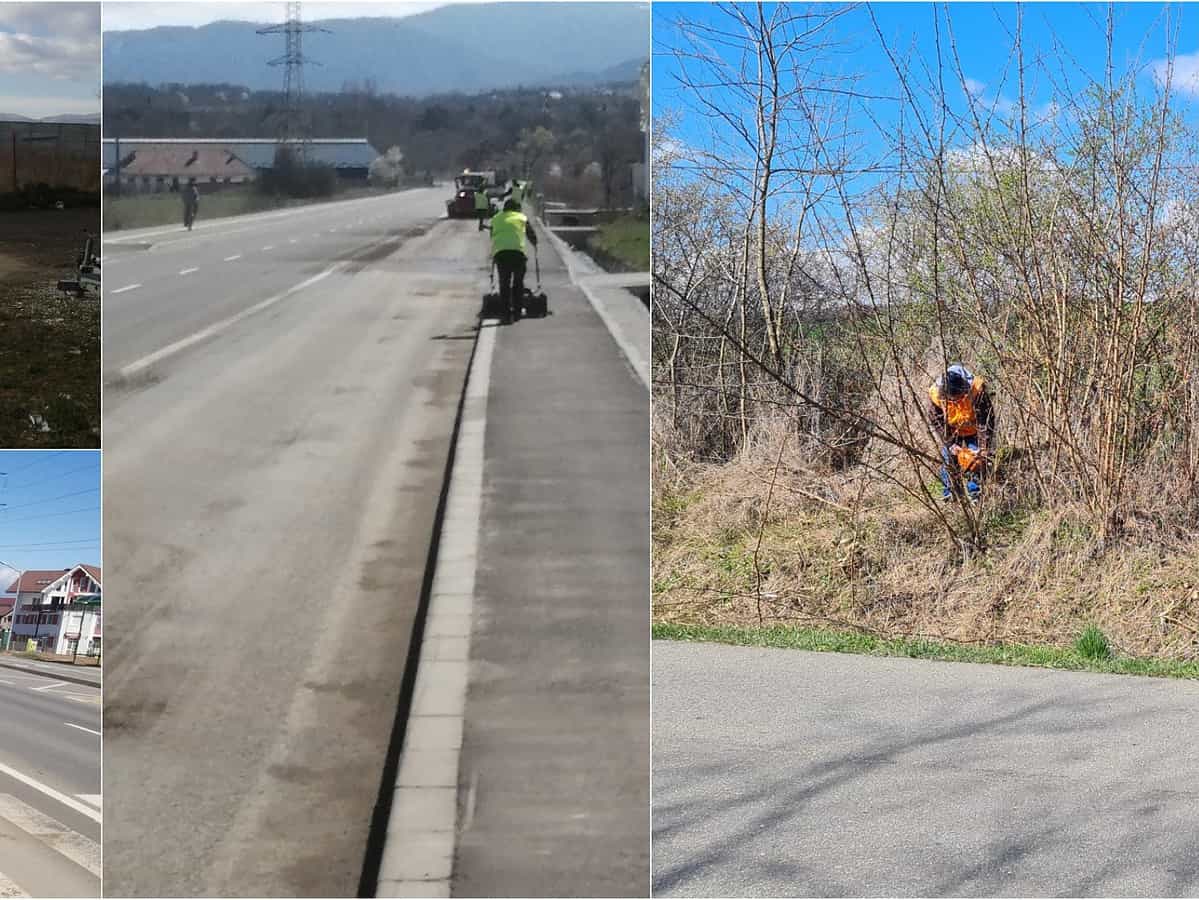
x: 9, y: 888
x: 96, y: 800
x: 233, y: 257
x: 217, y: 327
x: 269, y: 247
x: 189, y: 271
x: 128, y: 287
x: 292, y: 241
x: 68, y: 802
x: 6, y: 681
x: 81, y: 728
x: 422, y: 828
x: 51, y: 686
x: 82, y: 851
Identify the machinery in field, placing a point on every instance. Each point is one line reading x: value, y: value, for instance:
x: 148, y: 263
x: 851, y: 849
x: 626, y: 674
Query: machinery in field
x: 87, y: 271
x: 462, y: 204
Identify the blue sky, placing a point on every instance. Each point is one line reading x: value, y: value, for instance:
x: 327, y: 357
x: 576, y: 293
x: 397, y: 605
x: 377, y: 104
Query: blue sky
x: 49, y: 58
x: 51, y: 513
x: 1070, y: 36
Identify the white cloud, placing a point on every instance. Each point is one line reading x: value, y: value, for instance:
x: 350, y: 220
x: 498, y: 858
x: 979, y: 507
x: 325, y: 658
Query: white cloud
x: 55, y: 58
x: 974, y: 87
x: 58, y: 41
x: 65, y: 21
x: 1185, y: 77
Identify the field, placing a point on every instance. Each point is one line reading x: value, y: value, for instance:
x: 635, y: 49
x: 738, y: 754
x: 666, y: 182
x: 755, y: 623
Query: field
x: 49, y: 342
x: 149, y: 210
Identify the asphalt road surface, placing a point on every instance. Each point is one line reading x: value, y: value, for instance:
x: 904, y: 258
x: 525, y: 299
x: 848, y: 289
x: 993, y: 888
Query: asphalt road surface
x: 49, y: 787
x: 270, y: 486
x: 784, y: 773
x: 277, y: 423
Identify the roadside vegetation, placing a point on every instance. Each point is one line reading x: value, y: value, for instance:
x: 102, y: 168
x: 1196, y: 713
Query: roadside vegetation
x: 802, y: 310
x: 623, y: 244
x: 147, y: 210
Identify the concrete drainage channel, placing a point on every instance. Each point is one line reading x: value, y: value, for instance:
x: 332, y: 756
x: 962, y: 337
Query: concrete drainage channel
x: 414, y: 832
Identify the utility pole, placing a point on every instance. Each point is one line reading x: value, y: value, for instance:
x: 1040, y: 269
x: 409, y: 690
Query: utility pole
x: 293, y: 130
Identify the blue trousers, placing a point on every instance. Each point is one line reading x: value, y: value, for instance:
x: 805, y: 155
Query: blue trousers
x: 973, y: 488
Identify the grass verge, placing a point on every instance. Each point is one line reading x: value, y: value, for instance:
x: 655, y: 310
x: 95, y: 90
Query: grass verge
x: 625, y: 241
x: 148, y: 210
x: 828, y: 641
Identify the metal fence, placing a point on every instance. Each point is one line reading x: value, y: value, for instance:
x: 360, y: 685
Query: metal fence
x: 60, y: 155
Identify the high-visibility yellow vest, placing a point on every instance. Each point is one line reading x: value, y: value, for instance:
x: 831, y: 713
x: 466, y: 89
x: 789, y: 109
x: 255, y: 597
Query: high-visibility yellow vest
x: 508, y: 231
x: 959, y: 414
x: 481, y: 201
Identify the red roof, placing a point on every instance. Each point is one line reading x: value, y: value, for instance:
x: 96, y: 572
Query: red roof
x: 39, y: 579
x: 35, y: 580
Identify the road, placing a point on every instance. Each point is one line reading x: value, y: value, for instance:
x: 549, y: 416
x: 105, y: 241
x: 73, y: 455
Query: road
x: 278, y: 419
x: 783, y: 773
x: 49, y: 787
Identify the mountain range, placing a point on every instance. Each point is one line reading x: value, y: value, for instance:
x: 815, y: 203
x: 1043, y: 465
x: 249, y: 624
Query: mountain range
x: 461, y: 47
x: 65, y: 118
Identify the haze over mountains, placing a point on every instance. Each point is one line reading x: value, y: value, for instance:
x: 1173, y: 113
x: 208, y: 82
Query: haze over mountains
x: 65, y: 118
x: 467, y: 48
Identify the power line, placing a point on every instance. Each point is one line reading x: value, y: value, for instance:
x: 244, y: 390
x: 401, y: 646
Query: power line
x: 52, y: 499
x: 17, y: 487
x: 66, y: 512
x: 38, y: 462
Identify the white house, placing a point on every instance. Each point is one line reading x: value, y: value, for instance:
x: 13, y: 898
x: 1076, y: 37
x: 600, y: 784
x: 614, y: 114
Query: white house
x: 48, y: 610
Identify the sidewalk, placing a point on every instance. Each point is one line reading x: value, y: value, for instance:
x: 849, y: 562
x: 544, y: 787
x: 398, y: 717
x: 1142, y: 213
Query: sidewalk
x: 63, y: 670
x: 555, y: 757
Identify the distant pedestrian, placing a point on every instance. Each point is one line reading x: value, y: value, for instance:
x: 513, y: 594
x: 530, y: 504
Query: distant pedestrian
x: 191, y: 204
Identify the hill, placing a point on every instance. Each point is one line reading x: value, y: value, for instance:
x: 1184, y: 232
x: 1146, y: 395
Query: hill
x: 467, y: 48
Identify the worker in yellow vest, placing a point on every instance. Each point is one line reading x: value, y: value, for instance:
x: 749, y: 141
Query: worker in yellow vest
x: 510, y: 235
x: 964, y: 418
x: 482, y: 206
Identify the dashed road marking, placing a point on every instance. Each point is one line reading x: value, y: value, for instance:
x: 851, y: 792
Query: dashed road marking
x: 81, y: 728
x: 233, y: 257
x: 268, y: 247
x: 128, y: 287
x: 189, y: 271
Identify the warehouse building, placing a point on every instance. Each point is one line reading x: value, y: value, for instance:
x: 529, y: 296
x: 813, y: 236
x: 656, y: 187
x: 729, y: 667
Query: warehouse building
x: 153, y: 165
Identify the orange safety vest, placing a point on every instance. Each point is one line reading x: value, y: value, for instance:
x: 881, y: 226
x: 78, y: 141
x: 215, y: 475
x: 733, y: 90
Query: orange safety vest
x: 959, y: 414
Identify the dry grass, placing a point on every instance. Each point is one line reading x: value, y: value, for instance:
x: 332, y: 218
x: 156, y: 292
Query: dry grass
x: 849, y: 550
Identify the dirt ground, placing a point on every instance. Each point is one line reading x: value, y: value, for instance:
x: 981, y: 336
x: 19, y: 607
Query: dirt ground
x: 49, y: 342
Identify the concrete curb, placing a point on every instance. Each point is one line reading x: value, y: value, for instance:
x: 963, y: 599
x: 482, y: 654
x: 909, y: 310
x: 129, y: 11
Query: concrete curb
x: 53, y: 676
x: 623, y: 314
x: 422, y: 829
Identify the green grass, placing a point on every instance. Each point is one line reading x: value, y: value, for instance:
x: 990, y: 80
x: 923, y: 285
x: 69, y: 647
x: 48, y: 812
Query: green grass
x: 794, y: 638
x: 1093, y: 644
x: 626, y: 240
x: 148, y: 210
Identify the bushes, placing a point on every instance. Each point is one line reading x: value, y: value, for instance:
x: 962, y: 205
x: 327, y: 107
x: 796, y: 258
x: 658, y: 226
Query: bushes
x: 292, y: 177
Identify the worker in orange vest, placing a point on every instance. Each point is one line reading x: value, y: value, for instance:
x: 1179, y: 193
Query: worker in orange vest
x: 964, y: 418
